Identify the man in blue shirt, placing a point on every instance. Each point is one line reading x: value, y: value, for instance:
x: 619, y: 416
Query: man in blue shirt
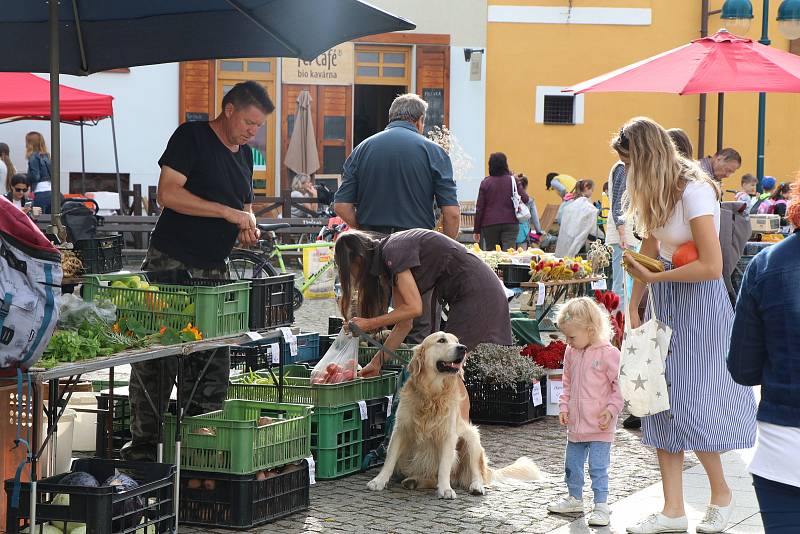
x: 391, y: 181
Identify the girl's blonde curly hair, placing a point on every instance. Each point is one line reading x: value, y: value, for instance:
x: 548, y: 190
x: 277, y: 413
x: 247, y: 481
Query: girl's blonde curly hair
x: 585, y: 312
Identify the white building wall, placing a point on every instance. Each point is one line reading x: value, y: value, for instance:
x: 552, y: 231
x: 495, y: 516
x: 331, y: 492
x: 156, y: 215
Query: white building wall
x: 468, y: 119
x: 145, y: 115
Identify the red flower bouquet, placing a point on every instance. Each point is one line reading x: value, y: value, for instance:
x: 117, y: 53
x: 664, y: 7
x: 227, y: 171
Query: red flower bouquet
x: 549, y: 357
x: 610, y: 301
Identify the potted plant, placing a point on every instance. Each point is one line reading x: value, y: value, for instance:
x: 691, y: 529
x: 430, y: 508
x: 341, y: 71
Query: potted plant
x: 504, y: 386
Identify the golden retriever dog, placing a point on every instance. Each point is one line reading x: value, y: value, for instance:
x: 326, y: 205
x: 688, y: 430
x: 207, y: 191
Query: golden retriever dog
x: 431, y: 445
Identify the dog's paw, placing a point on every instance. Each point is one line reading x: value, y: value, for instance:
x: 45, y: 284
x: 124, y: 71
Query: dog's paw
x: 410, y: 483
x: 376, y: 484
x: 446, y: 493
x: 476, y: 488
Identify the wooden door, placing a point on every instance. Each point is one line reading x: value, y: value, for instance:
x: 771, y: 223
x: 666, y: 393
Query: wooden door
x: 433, y: 83
x: 331, y: 108
x: 233, y: 71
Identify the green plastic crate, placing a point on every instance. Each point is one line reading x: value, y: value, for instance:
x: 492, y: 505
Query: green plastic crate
x: 297, y: 388
x: 365, y: 355
x: 239, y: 445
x: 334, y: 427
x: 337, y: 462
x: 220, y: 308
x: 102, y: 385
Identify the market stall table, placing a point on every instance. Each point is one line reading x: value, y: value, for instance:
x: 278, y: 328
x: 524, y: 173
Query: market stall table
x: 560, y: 288
x: 57, y: 401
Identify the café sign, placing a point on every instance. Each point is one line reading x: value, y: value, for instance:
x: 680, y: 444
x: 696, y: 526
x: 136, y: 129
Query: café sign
x: 332, y: 67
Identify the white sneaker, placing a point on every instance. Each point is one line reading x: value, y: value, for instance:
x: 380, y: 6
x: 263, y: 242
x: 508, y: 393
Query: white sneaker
x: 600, y: 515
x: 567, y: 505
x: 716, y: 518
x: 658, y: 523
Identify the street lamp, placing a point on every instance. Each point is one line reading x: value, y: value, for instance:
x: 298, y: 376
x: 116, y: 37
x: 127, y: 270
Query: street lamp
x: 738, y: 14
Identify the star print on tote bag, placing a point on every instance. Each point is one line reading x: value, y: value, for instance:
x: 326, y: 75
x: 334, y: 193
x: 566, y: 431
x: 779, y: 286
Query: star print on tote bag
x: 642, y: 374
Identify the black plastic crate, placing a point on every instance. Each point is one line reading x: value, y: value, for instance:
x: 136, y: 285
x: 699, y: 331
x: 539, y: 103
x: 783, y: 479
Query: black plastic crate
x: 271, y: 301
x: 104, y: 510
x: 241, y: 501
x: 374, y: 426
x: 100, y: 255
x: 493, y: 404
x: 257, y: 355
x: 335, y: 324
x: 514, y: 274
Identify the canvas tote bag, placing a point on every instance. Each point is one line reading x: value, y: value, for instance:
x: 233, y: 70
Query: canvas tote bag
x: 644, y: 350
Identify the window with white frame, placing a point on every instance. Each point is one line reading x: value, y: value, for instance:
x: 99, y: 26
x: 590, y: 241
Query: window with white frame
x: 555, y: 107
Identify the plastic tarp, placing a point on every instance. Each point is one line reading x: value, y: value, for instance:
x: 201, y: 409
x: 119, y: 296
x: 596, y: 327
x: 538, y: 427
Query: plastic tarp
x: 578, y: 220
x: 23, y: 94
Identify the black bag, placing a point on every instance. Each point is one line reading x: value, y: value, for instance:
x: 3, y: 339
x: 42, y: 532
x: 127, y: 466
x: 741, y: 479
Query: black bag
x: 79, y: 220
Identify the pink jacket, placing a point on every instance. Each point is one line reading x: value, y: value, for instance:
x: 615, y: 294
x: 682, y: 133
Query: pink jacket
x: 591, y: 384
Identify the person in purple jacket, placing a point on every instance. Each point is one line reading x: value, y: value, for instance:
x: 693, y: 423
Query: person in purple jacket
x: 495, y: 217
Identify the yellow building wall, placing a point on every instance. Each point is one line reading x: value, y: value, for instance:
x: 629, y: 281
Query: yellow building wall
x: 522, y: 56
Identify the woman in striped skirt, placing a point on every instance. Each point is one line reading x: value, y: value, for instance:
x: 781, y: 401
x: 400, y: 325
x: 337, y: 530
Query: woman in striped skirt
x: 673, y: 201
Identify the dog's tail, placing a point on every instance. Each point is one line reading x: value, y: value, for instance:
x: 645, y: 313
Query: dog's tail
x: 522, y: 470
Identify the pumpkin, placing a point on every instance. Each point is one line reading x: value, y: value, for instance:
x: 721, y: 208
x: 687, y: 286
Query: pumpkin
x: 685, y: 254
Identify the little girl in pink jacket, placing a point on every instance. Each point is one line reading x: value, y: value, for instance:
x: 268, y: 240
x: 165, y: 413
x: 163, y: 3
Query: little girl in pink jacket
x: 590, y: 404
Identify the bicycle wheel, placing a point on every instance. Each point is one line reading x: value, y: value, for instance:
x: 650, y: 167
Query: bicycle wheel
x: 297, y: 298
x: 246, y: 264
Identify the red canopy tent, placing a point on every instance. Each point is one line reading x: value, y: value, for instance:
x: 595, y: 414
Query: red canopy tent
x: 25, y: 96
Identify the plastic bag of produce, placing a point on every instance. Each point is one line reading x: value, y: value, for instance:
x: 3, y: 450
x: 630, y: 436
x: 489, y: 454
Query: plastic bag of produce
x: 340, y: 363
x: 75, y: 311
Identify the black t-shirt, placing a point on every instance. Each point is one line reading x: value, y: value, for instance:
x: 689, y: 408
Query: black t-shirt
x: 213, y: 173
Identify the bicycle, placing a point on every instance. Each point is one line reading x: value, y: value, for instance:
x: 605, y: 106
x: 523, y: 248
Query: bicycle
x: 248, y: 263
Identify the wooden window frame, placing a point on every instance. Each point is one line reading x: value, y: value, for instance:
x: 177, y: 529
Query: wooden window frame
x: 381, y: 79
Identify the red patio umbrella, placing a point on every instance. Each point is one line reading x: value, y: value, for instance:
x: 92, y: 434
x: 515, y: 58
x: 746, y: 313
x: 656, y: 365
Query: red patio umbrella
x: 721, y: 63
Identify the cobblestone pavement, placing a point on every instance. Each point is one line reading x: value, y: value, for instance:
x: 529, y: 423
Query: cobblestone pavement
x: 345, y: 505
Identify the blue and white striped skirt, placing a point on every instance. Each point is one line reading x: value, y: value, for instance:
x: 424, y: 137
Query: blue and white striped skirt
x: 708, y: 412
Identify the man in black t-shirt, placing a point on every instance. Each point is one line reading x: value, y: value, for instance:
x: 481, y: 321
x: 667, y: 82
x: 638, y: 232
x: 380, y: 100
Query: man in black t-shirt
x: 206, y: 191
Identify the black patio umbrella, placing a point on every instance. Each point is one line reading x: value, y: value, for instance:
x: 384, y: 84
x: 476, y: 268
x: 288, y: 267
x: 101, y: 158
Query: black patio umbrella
x: 87, y: 36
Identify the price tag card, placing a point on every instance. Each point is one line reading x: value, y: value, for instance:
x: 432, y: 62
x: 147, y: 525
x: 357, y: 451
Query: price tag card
x: 290, y: 338
x: 536, y: 393
x: 389, y: 406
x: 254, y: 336
x: 362, y: 407
x: 599, y: 284
x: 540, y: 293
x: 275, y: 349
x: 554, y: 389
x: 312, y: 468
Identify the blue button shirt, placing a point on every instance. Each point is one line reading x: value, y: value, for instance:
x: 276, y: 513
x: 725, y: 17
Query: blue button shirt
x: 394, y: 176
x: 765, y: 343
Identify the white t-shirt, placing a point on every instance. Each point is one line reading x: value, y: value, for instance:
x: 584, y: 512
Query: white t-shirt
x: 699, y: 198
x: 776, y: 454
x: 3, y: 173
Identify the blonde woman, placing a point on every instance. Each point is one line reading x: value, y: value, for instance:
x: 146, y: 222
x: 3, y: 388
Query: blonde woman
x: 39, y: 170
x: 673, y: 201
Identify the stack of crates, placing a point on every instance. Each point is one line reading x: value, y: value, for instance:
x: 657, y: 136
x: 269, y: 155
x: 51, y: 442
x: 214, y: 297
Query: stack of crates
x: 244, y: 465
x: 347, y: 417
x: 258, y: 355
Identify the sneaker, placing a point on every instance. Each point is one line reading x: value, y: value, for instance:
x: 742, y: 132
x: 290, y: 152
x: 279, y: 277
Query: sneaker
x: 567, y: 505
x: 600, y: 515
x: 632, y: 422
x: 658, y: 523
x: 716, y: 518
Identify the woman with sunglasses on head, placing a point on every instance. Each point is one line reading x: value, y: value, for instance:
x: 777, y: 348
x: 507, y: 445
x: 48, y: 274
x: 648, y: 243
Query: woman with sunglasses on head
x: 672, y: 201
x: 19, y: 190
